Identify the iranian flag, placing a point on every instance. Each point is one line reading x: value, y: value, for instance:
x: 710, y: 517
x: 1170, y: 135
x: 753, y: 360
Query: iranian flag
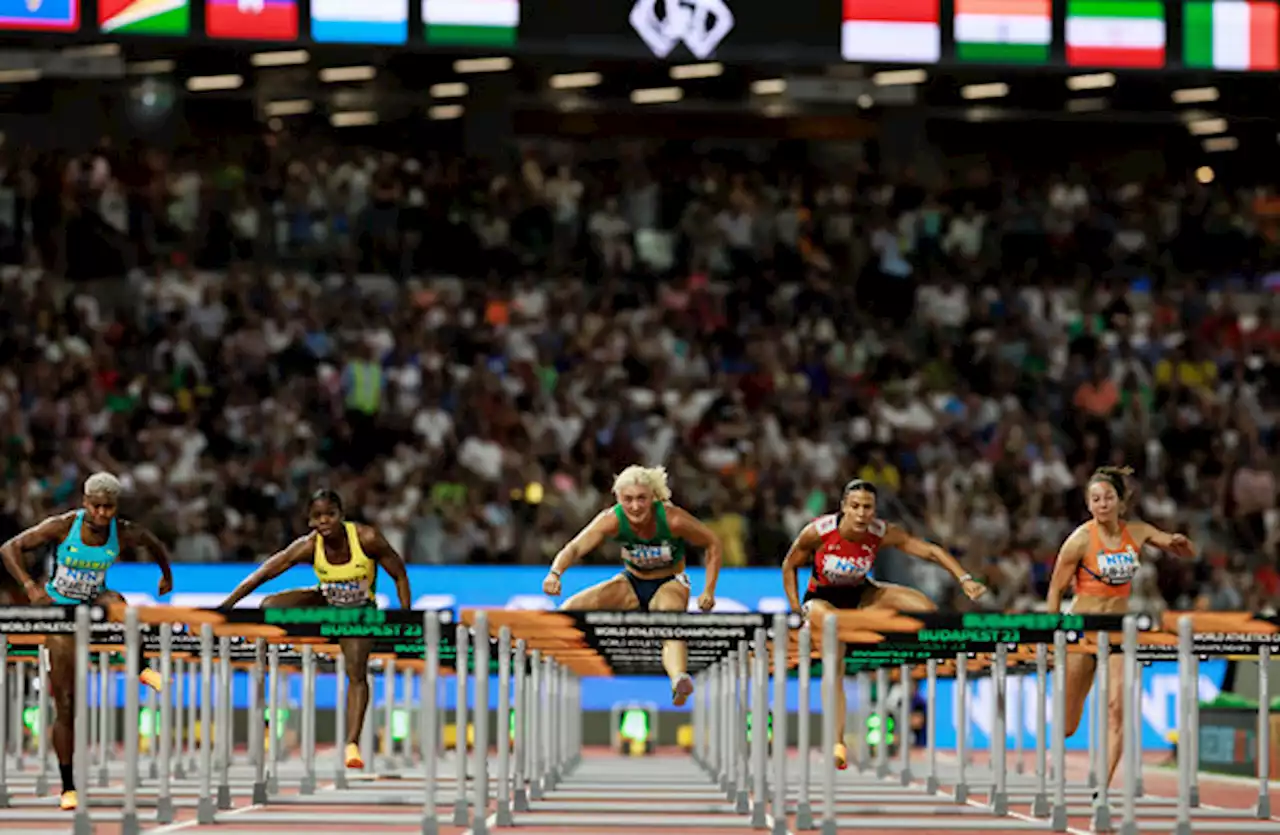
x: 905, y: 31
x: 1115, y: 33
x: 1236, y: 35
x: 471, y: 22
x: 998, y: 31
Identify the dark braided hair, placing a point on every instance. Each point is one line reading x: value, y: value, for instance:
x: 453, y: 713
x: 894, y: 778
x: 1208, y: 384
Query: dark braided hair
x: 324, y: 494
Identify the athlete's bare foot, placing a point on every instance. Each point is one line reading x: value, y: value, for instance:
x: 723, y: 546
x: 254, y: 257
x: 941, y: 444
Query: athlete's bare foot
x: 681, y: 690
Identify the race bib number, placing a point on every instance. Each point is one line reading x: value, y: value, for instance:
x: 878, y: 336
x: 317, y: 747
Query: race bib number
x: 846, y: 570
x: 648, y: 556
x: 1117, y: 569
x: 351, y: 593
x: 78, y: 583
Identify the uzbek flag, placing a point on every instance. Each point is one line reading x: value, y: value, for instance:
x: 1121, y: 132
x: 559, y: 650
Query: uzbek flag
x: 1235, y: 35
x: 1115, y: 33
x: 999, y: 31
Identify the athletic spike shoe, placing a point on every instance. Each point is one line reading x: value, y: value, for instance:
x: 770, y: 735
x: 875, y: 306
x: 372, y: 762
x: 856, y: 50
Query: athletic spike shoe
x: 68, y: 801
x: 682, y: 690
x: 354, y: 760
x: 841, y: 756
x: 152, y: 679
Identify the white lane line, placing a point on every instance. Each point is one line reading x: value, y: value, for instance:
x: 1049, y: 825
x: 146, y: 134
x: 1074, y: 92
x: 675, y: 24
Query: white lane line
x: 219, y: 817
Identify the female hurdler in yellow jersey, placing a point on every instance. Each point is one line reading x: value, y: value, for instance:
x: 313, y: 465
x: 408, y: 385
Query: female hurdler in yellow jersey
x: 346, y: 557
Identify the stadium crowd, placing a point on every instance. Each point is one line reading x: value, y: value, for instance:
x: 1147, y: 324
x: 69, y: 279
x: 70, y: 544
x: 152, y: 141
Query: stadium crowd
x: 469, y: 353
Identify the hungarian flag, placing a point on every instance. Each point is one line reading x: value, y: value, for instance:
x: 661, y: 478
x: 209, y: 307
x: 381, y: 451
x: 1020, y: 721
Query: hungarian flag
x: 1235, y: 35
x: 906, y: 31
x: 1115, y: 33
x: 998, y: 31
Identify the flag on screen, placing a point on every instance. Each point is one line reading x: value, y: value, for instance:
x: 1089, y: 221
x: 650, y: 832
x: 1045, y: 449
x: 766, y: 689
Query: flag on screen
x: 252, y: 20
x: 1115, y: 33
x: 360, y: 21
x: 145, y: 17
x: 1004, y: 30
x: 47, y: 16
x: 891, y: 30
x: 1232, y: 36
x: 471, y: 22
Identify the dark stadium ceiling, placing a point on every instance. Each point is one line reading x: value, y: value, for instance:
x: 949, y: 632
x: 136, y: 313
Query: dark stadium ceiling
x: 398, y: 84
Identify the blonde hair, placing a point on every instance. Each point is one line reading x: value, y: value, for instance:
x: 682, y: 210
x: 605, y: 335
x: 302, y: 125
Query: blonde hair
x: 653, y: 478
x: 103, y: 484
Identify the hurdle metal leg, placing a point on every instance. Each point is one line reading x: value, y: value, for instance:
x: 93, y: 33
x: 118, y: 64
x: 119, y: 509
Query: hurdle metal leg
x: 388, y: 713
x: 931, y: 727
x: 999, y: 692
x: 460, y: 802
x: 308, y: 783
x: 193, y: 720
x: 368, y: 728
x: 152, y: 709
x: 1263, y: 807
x: 132, y: 652
x: 1040, y: 803
x: 480, y: 767
x: 1132, y: 752
x: 741, y: 750
x: 1193, y: 740
x: 534, y: 707
x: 340, y: 722
x: 780, y: 640
x: 804, y: 811
x: 406, y: 709
x: 164, y: 798
x: 759, y: 727
x: 1186, y: 696
x: 546, y: 709
x: 961, y: 792
x: 1095, y: 723
x: 4, y: 722
x: 274, y: 729
x: 1058, y: 814
x: 520, y: 797
x: 179, y: 702
x: 1102, y: 683
x: 830, y: 681
x: 105, y: 691
x: 205, y: 806
x: 503, y: 729
x: 861, y: 715
x: 226, y: 729
x: 44, y: 724
x: 882, y: 720
x: 723, y: 716
x: 17, y: 739
x: 904, y: 726
x: 430, y: 746
x: 81, y: 823
x: 1019, y: 723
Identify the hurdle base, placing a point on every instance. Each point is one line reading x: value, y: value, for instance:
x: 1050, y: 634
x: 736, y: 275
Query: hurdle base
x: 104, y: 779
x: 829, y: 828
x: 204, y: 811
x: 520, y: 800
x: 999, y: 803
x: 4, y: 796
x: 905, y: 778
x: 757, y: 815
x: 931, y: 784
x: 259, y: 794
x: 502, y: 817
x: 153, y: 771
x: 224, y: 797
x: 429, y: 825
x: 1194, y: 796
x: 961, y: 793
x: 1182, y: 828
x: 1058, y: 818
x: 1040, y: 805
x: 804, y: 815
x: 535, y: 788
x: 779, y: 826
x: 460, y: 813
x: 164, y: 809
x: 1129, y: 828
x: 1138, y: 789
x: 307, y: 785
x: 340, y: 778
x: 42, y: 784
x: 273, y: 785
x: 1102, y: 817
x: 129, y: 824
x: 81, y: 825
x: 1264, y: 806
x: 179, y: 773
x: 741, y: 805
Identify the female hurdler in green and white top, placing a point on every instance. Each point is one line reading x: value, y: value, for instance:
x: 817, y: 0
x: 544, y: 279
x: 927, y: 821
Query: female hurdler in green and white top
x: 654, y: 535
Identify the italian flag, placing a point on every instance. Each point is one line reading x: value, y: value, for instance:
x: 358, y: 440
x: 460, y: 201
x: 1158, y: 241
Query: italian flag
x: 906, y: 31
x: 471, y: 22
x: 998, y: 31
x: 1232, y: 36
x: 1115, y: 33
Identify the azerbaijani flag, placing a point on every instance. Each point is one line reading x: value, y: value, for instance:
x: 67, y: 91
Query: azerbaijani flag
x: 471, y: 22
x: 1115, y: 33
x: 1237, y: 35
x: 906, y: 31
x: 998, y: 31
x: 360, y: 21
x: 144, y: 17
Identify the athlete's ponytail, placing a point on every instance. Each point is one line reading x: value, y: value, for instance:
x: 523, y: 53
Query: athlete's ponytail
x: 1115, y: 476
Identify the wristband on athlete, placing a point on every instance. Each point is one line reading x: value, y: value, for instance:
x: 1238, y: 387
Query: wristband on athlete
x: 964, y: 578
x: 554, y: 573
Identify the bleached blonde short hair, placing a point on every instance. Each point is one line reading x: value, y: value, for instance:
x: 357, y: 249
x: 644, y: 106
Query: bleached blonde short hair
x: 103, y: 484
x: 654, y: 478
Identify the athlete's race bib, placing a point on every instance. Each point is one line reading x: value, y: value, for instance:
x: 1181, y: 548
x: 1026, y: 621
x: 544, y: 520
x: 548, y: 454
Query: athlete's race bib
x: 347, y: 593
x: 1117, y: 569
x: 78, y: 583
x: 648, y: 556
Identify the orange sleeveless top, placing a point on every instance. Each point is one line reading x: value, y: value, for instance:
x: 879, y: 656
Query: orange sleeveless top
x: 1107, y: 572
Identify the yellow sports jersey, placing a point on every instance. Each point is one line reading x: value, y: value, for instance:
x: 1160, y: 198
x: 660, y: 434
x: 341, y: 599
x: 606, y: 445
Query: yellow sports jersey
x: 351, y: 583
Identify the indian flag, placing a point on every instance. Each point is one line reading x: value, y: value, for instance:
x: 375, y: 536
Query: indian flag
x: 1115, y: 33
x: 998, y: 31
x: 906, y: 31
x: 471, y: 22
x: 1235, y: 35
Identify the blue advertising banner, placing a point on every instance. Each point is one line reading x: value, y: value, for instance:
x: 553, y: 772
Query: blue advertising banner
x: 739, y: 590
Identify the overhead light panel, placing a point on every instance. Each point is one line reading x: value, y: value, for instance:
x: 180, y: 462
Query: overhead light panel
x: 448, y: 90
x: 994, y: 90
x: 442, y: 112
x: 1092, y: 81
x: 474, y: 65
x: 1086, y: 105
x: 769, y: 87
x: 158, y: 67
x: 686, y: 72
x: 334, y: 75
x: 1221, y: 143
x: 353, y: 118
x: 99, y: 50
x: 283, y: 58
x: 209, y: 83
x: 657, y: 95
x: 290, y: 107
x: 892, y: 78
x: 1207, y: 127
x: 1195, y: 95
x: 575, y: 80
x: 19, y: 76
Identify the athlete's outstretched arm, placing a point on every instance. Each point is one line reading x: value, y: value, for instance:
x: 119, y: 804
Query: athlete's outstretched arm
x: 51, y: 530
x: 799, y: 554
x: 298, y: 552
x: 143, y: 537
x: 896, y: 537
x: 376, y: 546
x: 689, y: 528
x: 588, y: 539
x: 1069, y: 556
x: 1173, y: 543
